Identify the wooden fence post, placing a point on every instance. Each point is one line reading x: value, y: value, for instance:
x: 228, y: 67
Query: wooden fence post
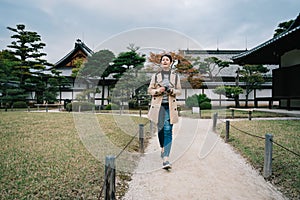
x: 250, y: 115
x: 141, y: 137
x: 268, y: 155
x: 215, y: 117
x: 227, y: 131
x: 110, y: 178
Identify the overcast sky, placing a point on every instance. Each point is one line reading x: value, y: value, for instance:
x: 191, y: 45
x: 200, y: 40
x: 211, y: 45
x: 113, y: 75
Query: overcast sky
x: 150, y: 24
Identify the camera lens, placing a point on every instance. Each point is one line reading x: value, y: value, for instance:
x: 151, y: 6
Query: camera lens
x: 167, y: 89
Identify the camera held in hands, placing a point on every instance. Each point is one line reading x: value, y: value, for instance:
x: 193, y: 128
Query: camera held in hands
x: 167, y: 89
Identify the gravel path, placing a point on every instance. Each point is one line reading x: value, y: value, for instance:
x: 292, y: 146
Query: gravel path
x: 204, y: 167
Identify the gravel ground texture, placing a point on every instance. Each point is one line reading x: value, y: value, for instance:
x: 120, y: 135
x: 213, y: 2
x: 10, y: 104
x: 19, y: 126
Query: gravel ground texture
x: 203, y: 167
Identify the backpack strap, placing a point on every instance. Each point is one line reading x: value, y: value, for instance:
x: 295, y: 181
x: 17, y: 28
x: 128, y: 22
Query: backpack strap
x: 176, y: 78
x: 155, y: 78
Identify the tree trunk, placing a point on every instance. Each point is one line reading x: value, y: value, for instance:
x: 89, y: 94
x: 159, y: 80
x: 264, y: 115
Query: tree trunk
x: 237, y: 101
x: 246, y: 102
x: 103, y: 87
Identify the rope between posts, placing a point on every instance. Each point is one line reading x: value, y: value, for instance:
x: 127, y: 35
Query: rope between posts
x: 129, y: 142
x: 108, y: 174
x: 260, y: 137
x: 297, y: 154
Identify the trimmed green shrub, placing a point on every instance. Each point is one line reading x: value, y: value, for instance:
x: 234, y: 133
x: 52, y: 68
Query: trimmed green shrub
x: 205, y: 105
x: 112, y: 106
x: 192, y: 101
x: 69, y: 107
x: 19, y: 104
x: 196, y: 100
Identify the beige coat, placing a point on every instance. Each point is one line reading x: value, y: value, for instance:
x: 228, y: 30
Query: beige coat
x: 157, y: 97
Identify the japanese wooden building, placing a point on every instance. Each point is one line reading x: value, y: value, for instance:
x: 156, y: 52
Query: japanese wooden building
x: 227, y: 77
x: 65, y: 66
x: 283, y: 50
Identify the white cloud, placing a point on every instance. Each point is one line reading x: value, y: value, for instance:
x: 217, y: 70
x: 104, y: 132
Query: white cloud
x: 228, y: 23
x: 150, y: 38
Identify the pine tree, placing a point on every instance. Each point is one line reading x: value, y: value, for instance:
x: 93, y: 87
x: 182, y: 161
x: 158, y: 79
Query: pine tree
x: 97, y: 66
x: 26, y: 47
x: 9, y: 84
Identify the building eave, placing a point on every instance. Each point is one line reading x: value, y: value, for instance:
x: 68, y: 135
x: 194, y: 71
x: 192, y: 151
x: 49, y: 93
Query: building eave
x: 79, y: 46
x: 270, y: 51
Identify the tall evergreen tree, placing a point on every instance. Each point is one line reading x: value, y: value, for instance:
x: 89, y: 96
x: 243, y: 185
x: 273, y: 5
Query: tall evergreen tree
x: 127, y: 60
x: 9, y: 82
x: 98, y: 66
x: 27, y: 47
x: 230, y: 92
x: 211, y: 66
x: 253, y: 77
x: 125, y: 68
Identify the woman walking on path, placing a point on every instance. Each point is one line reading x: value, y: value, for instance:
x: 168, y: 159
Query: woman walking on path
x: 164, y: 87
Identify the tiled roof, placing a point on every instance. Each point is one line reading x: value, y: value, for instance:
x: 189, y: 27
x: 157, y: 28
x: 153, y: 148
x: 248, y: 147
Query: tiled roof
x: 269, y: 51
x: 79, y: 45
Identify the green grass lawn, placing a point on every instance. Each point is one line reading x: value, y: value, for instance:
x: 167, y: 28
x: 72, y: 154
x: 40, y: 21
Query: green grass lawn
x: 285, y: 166
x: 42, y: 157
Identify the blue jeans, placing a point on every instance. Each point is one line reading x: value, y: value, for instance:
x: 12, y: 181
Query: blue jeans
x: 165, y: 129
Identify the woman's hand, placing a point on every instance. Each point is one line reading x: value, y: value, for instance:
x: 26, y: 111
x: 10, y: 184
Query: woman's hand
x: 161, y: 89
